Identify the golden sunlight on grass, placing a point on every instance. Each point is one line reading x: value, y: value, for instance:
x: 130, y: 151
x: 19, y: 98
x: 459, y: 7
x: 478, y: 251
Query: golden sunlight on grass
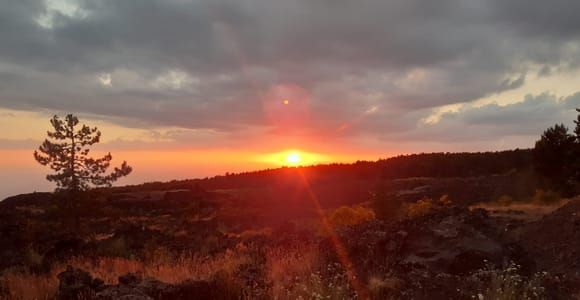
x: 27, y: 285
x: 293, y: 157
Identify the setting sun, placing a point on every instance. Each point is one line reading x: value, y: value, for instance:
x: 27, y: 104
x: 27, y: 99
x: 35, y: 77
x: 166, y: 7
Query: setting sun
x: 293, y: 158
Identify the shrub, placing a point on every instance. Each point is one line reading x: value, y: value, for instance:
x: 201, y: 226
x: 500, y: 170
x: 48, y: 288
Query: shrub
x: 419, y: 208
x: 445, y: 200
x: 350, y: 215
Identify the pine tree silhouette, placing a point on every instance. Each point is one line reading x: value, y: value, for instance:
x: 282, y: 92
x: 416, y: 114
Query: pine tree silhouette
x: 66, y: 152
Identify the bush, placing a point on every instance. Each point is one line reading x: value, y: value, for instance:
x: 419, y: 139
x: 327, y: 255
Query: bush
x: 445, y: 200
x: 419, y: 208
x: 350, y: 215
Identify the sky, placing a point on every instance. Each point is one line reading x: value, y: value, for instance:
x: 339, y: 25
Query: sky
x: 184, y: 89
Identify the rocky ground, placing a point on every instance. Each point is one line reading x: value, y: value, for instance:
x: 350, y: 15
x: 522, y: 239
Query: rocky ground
x: 446, y: 252
x: 79, y: 284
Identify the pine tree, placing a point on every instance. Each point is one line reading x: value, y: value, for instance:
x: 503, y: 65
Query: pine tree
x: 576, y: 158
x: 66, y: 152
x: 554, y: 154
x: 577, y: 122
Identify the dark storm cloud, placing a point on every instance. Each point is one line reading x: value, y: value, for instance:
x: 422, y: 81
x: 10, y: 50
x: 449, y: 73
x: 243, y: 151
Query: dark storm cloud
x: 403, y: 56
x: 557, y: 19
x: 493, y: 122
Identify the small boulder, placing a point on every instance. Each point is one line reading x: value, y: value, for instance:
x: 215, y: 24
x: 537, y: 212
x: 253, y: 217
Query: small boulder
x: 130, y: 279
x: 77, y: 284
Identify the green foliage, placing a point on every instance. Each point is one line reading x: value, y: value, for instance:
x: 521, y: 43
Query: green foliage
x: 66, y: 152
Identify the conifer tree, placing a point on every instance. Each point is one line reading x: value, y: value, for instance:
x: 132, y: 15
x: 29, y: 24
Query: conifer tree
x: 554, y: 156
x: 577, y: 122
x: 66, y: 152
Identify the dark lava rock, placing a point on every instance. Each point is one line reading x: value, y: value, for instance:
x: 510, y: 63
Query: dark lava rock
x: 191, y: 289
x: 122, y: 292
x: 449, y: 240
x: 39, y: 199
x: 450, y: 244
x: 64, y: 249
x: 77, y: 284
x: 132, y: 286
x: 13, y: 243
x: 554, y: 241
x: 130, y: 279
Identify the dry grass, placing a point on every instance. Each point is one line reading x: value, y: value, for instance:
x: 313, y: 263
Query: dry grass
x: 296, y: 274
x: 28, y: 286
x: 530, y: 211
x: 25, y: 285
x: 508, y: 284
x: 287, y: 266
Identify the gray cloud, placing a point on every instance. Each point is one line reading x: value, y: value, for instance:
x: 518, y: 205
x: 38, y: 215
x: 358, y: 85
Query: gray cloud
x: 526, y: 119
x: 405, y: 57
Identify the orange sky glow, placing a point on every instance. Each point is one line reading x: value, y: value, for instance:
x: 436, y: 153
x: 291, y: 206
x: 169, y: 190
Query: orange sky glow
x: 162, y: 165
x: 248, y: 88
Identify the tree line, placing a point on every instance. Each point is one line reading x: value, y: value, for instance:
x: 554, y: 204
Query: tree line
x: 555, y: 157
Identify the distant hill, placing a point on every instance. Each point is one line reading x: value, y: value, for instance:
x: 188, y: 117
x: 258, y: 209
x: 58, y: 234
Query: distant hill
x: 441, y: 165
x: 288, y: 191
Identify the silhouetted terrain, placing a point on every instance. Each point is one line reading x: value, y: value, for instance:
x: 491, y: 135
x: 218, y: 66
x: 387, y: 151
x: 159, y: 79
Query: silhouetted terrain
x: 426, y: 226
x: 404, y: 166
x: 485, y: 175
